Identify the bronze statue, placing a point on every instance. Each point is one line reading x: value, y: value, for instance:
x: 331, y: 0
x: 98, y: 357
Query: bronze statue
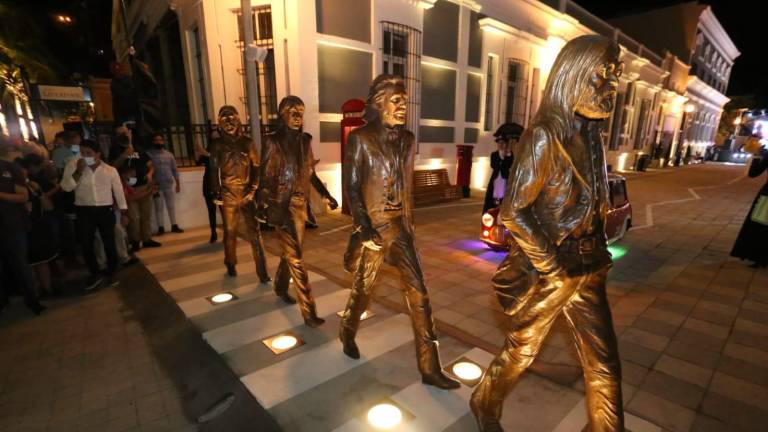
x: 234, y: 164
x: 378, y: 182
x: 287, y: 170
x: 555, y: 207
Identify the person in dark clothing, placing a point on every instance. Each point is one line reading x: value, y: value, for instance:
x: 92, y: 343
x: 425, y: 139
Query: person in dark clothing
x: 506, y: 136
x: 13, y: 230
x: 124, y: 154
x: 203, y: 159
x: 752, y: 242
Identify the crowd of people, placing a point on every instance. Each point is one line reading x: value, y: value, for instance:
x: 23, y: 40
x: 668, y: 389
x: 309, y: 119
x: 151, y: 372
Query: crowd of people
x: 77, y: 202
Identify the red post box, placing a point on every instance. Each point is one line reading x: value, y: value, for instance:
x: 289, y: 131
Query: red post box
x: 352, y: 118
x: 464, y: 167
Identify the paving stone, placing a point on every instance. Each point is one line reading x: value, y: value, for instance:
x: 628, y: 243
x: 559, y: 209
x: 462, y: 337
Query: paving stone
x: 718, y: 331
x: 637, y: 353
x: 693, y: 354
x: 732, y: 412
x: 655, y: 327
x: 684, y: 370
x: 704, y: 423
x: 743, y: 391
x: 702, y: 340
x: 744, y: 370
x: 662, y: 412
x: 673, y: 389
x: 746, y: 353
x: 645, y: 338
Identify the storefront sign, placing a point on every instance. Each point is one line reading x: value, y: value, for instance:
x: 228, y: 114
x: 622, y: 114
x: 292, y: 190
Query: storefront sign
x: 62, y: 93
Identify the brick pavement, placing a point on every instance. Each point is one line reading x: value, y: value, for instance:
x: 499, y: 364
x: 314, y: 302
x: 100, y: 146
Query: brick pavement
x: 691, y: 321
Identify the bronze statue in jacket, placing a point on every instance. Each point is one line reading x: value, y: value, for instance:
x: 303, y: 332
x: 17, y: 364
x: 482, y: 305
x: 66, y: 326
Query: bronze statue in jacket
x: 233, y: 165
x: 287, y: 171
x: 555, y: 208
x: 378, y: 180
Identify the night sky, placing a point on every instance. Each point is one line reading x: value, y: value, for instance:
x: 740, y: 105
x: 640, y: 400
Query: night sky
x: 744, y: 23
x: 84, y: 47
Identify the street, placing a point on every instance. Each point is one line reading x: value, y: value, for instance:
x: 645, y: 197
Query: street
x: 691, y: 323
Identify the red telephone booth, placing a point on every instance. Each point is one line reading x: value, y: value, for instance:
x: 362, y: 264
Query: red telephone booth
x: 352, y: 112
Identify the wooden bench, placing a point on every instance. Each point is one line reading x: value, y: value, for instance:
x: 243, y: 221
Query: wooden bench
x: 433, y: 186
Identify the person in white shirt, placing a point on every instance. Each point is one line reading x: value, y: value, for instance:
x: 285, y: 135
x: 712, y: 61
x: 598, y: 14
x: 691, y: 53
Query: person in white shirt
x: 97, y: 187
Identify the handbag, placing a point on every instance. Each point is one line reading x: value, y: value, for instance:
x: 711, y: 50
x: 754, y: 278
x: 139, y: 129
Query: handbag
x: 760, y: 211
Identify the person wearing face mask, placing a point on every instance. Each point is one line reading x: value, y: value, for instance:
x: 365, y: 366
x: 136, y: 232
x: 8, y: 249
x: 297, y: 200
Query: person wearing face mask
x: 68, y: 148
x: 123, y: 153
x: 234, y: 179
x: 167, y: 181
x: 287, y: 171
x: 379, y: 158
x: 555, y: 208
x: 97, y: 186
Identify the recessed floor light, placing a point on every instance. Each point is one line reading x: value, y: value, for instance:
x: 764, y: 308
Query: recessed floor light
x: 283, y: 342
x: 466, y: 371
x: 220, y: 298
x: 384, y: 416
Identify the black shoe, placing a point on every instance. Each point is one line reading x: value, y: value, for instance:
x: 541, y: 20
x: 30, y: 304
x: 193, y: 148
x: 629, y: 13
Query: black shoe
x: 310, y: 225
x: 231, y: 270
x: 130, y: 261
x: 110, y: 281
x: 135, y: 247
x: 36, y: 308
x: 150, y: 244
x: 176, y: 229
x: 286, y: 297
x: 93, y: 282
x: 265, y: 280
x: 757, y: 265
x: 314, y: 321
x: 440, y: 380
x: 349, y: 346
x: 160, y: 231
x: 214, y: 237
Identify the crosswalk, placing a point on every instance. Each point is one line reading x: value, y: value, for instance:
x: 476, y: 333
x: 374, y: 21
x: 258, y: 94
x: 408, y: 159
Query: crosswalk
x: 315, y: 387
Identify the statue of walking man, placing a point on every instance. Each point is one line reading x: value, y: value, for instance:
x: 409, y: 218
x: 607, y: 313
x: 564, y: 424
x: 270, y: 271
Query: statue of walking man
x: 555, y: 208
x: 378, y: 182
x: 234, y: 166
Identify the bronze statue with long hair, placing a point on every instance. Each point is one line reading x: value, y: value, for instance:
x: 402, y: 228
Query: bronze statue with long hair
x: 287, y: 171
x: 555, y: 208
x: 378, y: 182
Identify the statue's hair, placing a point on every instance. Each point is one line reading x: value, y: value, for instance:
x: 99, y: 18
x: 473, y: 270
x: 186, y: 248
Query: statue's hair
x: 287, y: 103
x: 227, y: 109
x: 377, y: 92
x: 568, y: 79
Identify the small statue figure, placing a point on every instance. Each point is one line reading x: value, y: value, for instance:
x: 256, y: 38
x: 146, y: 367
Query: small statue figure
x: 555, y: 207
x: 287, y: 170
x: 378, y: 181
x: 234, y: 164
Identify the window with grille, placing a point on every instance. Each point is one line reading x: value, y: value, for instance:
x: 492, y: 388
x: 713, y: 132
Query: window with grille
x: 401, y: 55
x: 517, y: 91
x: 265, y: 72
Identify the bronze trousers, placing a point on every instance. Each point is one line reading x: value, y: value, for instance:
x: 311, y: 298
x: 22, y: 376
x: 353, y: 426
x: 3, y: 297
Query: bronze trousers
x: 583, y: 302
x: 291, y: 234
x: 232, y: 215
x: 399, y: 251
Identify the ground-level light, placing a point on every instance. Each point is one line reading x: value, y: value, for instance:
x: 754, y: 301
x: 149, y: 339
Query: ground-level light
x: 487, y: 219
x: 222, y: 297
x: 486, y: 233
x: 466, y: 371
x: 283, y: 342
x: 364, y: 316
x: 384, y: 416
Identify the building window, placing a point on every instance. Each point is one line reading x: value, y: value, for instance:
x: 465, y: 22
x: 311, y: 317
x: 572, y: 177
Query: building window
x: 642, y: 132
x: 200, y: 90
x: 401, y: 56
x: 490, y: 83
x: 265, y: 72
x: 517, y: 91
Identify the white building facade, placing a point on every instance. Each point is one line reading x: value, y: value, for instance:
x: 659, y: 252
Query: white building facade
x: 470, y: 65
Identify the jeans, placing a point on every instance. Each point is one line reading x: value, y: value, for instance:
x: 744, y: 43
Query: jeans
x: 166, y: 197
x: 13, y: 259
x: 89, y: 221
x: 140, y: 226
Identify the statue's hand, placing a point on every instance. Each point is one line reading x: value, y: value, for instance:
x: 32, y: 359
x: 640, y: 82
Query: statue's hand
x: 332, y: 203
x: 371, y: 238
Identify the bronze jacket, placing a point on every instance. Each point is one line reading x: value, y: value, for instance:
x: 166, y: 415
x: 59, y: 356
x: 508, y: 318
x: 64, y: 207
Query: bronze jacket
x: 287, y: 170
x: 234, y: 164
x: 555, y: 189
x: 378, y: 176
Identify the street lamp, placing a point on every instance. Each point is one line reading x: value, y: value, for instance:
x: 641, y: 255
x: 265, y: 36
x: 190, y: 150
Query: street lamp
x: 64, y: 19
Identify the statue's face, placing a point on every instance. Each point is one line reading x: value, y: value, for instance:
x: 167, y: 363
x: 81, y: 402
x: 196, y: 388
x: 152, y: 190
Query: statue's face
x: 229, y: 123
x: 598, y: 100
x: 393, y: 108
x: 294, y: 117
